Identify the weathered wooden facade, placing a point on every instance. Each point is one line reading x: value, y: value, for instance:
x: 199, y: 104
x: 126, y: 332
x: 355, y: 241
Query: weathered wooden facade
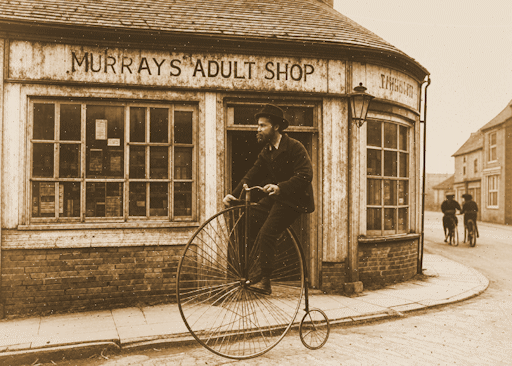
x: 125, y: 123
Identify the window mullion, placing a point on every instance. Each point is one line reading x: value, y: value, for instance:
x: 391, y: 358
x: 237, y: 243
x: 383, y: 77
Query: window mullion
x: 83, y: 161
x: 126, y: 188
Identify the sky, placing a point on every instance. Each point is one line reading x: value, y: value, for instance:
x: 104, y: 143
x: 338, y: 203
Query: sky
x: 467, y: 48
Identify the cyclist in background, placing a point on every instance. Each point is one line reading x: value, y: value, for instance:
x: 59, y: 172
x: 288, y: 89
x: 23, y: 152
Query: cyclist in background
x: 449, y: 207
x: 470, y: 210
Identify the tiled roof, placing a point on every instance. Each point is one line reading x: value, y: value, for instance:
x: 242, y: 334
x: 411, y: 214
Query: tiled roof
x: 503, y: 116
x: 475, y: 142
x: 291, y: 20
x: 447, y: 184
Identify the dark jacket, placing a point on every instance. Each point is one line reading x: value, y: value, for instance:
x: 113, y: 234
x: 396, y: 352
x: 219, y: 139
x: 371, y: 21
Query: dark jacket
x: 469, y: 207
x: 290, y: 168
x: 451, y: 206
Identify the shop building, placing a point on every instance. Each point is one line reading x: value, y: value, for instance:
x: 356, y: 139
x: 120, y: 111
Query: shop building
x: 124, y: 124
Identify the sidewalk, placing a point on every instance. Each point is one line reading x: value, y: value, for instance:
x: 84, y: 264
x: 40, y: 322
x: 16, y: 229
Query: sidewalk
x: 81, y: 335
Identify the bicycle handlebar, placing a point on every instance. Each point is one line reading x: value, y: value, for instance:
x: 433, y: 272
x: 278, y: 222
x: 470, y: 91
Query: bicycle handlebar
x: 247, y: 188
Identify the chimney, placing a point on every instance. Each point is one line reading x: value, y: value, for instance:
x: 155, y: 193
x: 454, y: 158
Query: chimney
x: 328, y: 2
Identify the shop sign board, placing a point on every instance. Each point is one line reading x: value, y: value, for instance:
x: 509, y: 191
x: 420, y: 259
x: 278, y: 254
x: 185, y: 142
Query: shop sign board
x: 72, y: 63
x: 386, y: 83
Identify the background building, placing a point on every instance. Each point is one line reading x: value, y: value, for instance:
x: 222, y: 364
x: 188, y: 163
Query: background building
x: 483, y: 168
x: 125, y: 124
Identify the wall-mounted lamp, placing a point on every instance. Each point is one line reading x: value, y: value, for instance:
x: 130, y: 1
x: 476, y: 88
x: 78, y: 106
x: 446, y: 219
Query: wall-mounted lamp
x: 359, y: 103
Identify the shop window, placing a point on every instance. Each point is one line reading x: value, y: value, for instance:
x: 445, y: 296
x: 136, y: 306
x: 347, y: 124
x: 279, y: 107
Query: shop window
x: 96, y: 162
x: 387, y: 178
x: 492, y: 147
x: 492, y: 191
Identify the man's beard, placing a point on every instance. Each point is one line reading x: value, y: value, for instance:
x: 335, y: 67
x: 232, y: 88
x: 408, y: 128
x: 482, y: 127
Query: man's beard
x: 263, y: 139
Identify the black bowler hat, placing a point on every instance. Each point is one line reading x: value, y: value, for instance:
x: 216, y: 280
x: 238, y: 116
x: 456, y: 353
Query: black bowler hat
x: 274, y: 112
x: 467, y: 196
x: 450, y: 195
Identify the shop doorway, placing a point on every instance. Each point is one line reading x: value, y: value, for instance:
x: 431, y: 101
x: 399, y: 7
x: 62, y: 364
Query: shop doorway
x: 243, y: 151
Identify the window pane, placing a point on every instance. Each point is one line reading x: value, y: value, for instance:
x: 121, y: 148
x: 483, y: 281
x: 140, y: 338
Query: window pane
x: 244, y: 115
x: 114, y: 200
x: 104, y: 199
x: 69, y: 205
x: 42, y: 155
x: 159, y: 162
x: 137, y: 162
x: 95, y: 199
x: 403, y: 192
x: 70, y: 117
x: 403, y: 139
x: 374, y: 192
x: 183, y: 163
x: 137, y: 124
x: 390, y: 163
x: 389, y: 219
x: 105, y: 141
x: 373, y: 219
x: 137, y: 199
x: 183, y: 127
x: 44, y: 121
x: 182, y: 199
x: 43, y: 199
x: 374, y: 163
x: 403, y: 219
x: 158, y: 199
x: 159, y: 125
x: 374, y: 134
x: 389, y: 192
x: 69, y: 161
x: 390, y: 135
x: 404, y: 165
x: 297, y: 116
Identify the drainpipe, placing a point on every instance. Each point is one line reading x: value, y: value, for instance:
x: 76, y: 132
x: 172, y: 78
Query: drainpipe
x: 421, y: 242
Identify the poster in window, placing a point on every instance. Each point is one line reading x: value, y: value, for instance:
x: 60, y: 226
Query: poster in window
x: 116, y: 163
x: 96, y: 160
x: 101, y: 129
x: 47, y: 198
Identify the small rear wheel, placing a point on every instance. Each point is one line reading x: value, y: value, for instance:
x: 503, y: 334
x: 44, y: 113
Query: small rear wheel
x: 314, y: 329
x: 471, y: 233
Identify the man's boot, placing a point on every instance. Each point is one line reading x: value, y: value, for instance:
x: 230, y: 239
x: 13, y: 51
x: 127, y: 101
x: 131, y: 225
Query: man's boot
x: 263, y: 286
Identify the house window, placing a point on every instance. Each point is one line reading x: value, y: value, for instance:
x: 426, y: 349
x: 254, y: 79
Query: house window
x: 96, y: 162
x: 475, y: 165
x: 492, y: 191
x: 492, y: 147
x: 463, y: 170
x: 387, y: 178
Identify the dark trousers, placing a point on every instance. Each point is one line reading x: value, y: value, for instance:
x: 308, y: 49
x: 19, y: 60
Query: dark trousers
x: 275, y: 219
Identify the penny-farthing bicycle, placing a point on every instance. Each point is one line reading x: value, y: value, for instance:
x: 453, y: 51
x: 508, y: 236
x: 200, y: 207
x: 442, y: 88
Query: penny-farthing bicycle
x: 215, y: 298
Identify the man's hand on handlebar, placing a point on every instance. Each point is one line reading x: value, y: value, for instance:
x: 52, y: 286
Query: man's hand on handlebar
x: 272, y: 189
x: 228, y: 199
x: 269, y: 189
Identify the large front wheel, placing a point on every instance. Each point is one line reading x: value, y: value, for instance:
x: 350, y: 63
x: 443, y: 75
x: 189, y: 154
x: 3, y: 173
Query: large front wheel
x: 215, y: 298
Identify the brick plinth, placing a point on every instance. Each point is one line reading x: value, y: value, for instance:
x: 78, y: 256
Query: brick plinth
x: 45, y: 281
x: 387, y: 262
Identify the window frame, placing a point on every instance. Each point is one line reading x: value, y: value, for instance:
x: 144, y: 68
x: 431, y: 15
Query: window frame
x: 493, y: 190
x: 383, y: 178
x: 83, y: 179
x: 493, y: 155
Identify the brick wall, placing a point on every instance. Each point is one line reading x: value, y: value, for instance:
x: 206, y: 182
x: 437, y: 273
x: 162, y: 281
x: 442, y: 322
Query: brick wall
x: 383, y: 263
x: 333, y: 276
x: 45, y: 281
